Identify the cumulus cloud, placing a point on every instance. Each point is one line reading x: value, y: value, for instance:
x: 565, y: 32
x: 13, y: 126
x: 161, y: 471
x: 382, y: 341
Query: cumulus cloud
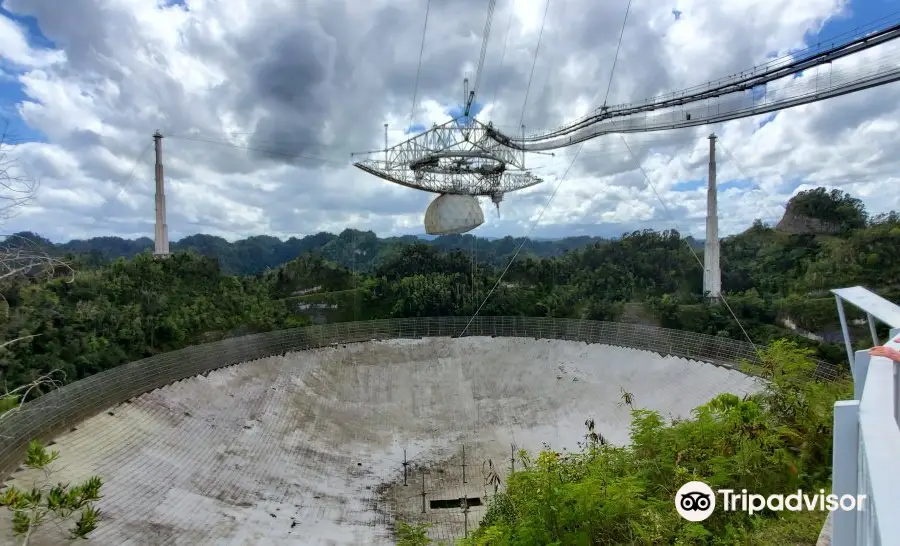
x: 263, y: 101
x: 16, y: 49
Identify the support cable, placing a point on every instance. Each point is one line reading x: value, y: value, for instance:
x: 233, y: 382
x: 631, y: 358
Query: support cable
x: 503, y: 55
x: 134, y: 168
x: 552, y: 195
x: 612, y: 70
x: 742, y: 171
x: 485, y: 39
x: 138, y: 160
x: 693, y: 252
x: 534, y: 62
x: 412, y: 112
x: 760, y: 75
x: 524, y: 240
x: 486, y: 35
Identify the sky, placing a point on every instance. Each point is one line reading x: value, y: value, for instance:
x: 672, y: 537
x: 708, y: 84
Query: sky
x: 262, y: 102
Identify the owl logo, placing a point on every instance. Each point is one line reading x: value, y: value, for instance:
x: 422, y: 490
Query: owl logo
x: 695, y: 501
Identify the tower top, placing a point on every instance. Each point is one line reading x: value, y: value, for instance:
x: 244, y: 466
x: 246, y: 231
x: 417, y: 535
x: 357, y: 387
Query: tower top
x: 712, y: 136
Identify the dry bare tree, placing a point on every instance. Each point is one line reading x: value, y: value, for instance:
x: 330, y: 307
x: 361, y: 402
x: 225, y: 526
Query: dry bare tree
x: 24, y: 257
x: 20, y: 256
x: 17, y: 189
x: 11, y: 401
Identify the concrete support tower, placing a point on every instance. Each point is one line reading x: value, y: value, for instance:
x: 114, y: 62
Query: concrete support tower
x: 161, y: 236
x: 712, y: 272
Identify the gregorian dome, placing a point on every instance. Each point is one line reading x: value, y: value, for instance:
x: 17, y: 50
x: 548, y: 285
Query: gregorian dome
x: 451, y: 213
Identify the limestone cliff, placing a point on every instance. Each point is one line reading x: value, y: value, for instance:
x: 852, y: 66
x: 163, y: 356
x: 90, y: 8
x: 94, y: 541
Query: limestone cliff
x: 793, y: 222
x: 820, y: 211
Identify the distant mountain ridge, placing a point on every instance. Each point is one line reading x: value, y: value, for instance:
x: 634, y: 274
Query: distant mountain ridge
x: 355, y: 249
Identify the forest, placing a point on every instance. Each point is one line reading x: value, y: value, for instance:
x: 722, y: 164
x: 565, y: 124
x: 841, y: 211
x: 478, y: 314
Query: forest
x: 772, y: 442
x: 111, y: 311
x: 352, y: 248
x: 113, y: 302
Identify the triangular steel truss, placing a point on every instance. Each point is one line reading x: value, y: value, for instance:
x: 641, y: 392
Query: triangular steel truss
x: 456, y: 157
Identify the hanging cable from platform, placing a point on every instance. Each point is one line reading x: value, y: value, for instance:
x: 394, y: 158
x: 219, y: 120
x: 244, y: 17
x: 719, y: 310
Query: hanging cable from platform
x: 412, y: 112
x: 743, y: 172
x: 457, y: 160
x: 512, y: 12
x: 534, y: 63
x: 545, y: 207
x: 693, y: 251
x: 484, y: 43
x: 612, y: 71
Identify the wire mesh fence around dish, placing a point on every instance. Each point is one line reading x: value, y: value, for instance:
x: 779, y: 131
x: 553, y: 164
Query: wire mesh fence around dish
x: 61, y: 409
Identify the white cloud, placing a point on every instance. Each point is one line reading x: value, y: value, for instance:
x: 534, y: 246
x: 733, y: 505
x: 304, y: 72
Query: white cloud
x: 319, y: 79
x: 15, y: 49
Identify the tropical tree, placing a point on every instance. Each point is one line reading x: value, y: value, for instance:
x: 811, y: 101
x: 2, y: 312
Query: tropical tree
x: 46, y: 503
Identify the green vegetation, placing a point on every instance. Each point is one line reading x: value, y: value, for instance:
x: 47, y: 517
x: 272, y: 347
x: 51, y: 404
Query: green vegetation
x: 835, y: 208
x: 125, y: 311
x: 774, y: 442
x: 358, y: 250
x: 47, y: 503
x: 414, y: 535
x: 129, y: 309
x: 117, y: 310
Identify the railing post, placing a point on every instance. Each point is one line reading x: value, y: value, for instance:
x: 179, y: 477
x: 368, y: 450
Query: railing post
x: 868, y: 426
x: 844, y: 330
x: 872, y: 329
x: 845, y: 469
x: 894, y: 332
x: 859, y: 367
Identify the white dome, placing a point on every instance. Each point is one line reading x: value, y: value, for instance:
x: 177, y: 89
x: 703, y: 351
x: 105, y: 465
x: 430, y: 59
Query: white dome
x: 450, y: 213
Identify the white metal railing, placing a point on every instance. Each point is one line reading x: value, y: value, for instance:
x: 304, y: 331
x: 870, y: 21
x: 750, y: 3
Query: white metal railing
x: 866, y: 431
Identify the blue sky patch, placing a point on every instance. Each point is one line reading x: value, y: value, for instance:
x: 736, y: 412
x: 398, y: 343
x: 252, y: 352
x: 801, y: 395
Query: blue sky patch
x: 689, y: 185
x: 860, y: 12
x: 11, y: 96
x: 740, y: 184
x: 11, y: 91
x: 35, y: 37
x: 758, y: 92
x: 790, y: 185
x: 457, y: 111
x: 765, y: 120
x: 414, y: 129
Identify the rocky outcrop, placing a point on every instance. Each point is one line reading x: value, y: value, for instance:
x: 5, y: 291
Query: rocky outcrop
x: 793, y: 222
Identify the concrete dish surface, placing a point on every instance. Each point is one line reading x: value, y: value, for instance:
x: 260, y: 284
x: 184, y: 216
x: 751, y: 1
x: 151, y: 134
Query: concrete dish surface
x: 308, y: 448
